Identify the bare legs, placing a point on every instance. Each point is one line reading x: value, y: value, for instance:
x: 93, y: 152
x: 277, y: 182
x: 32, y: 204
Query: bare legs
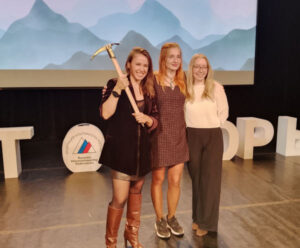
x: 158, y: 177
x: 174, y: 179
x: 122, y: 188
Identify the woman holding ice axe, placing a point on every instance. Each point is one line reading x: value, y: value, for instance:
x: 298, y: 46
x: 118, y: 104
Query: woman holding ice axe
x: 127, y: 143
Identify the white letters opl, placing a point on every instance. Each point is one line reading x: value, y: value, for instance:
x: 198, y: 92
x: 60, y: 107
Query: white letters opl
x: 253, y: 132
x: 288, y: 137
x: 230, y: 140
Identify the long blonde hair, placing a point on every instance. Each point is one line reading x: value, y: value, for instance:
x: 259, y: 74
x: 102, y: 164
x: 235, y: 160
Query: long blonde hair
x: 161, y: 74
x: 208, y: 81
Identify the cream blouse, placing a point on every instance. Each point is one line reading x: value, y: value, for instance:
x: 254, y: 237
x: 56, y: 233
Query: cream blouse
x: 207, y: 113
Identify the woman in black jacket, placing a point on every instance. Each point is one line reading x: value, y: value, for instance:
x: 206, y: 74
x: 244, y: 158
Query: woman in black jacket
x: 127, y: 143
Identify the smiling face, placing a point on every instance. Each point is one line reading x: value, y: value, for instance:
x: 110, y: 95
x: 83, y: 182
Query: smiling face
x: 200, y: 70
x: 138, y: 67
x: 173, y: 59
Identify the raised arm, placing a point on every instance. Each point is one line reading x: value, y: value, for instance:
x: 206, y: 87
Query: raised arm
x: 111, y: 97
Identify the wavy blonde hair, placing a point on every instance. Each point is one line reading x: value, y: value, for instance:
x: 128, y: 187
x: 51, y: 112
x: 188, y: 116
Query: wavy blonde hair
x: 161, y: 74
x: 208, y: 81
x: 147, y: 83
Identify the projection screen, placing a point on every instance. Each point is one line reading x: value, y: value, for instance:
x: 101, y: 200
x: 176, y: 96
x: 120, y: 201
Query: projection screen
x: 49, y: 43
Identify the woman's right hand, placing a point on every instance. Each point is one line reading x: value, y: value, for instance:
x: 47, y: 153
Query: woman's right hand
x: 122, y: 82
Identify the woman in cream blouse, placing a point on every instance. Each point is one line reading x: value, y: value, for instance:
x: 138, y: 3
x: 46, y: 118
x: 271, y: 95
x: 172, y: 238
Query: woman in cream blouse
x: 206, y: 109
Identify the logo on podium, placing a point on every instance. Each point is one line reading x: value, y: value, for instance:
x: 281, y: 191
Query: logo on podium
x: 82, y: 147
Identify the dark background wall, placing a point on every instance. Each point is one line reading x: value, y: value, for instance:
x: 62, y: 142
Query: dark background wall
x: 276, y: 91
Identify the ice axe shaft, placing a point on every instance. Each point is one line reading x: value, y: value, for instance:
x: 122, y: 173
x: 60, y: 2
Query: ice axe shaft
x: 127, y: 90
x: 111, y: 54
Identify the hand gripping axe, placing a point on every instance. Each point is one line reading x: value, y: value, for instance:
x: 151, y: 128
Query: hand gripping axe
x: 111, y: 54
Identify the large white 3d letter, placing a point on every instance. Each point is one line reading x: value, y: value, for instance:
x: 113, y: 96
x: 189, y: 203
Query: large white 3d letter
x: 288, y: 137
x: 230, y: 140
x: 253, y: 132
x: 10, y: 138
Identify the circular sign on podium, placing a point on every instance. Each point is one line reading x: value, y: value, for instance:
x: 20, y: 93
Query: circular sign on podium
x: 82, y: 147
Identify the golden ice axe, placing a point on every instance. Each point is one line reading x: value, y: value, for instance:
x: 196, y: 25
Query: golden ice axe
x: 108, y: 48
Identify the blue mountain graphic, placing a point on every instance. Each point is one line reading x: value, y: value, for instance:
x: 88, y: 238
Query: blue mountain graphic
x: 232, y: 51
x: 43, y: 36
x: 154, y: 21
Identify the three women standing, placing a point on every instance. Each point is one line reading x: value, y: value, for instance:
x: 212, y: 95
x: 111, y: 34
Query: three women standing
x: 201, y: 106
x: 206, y: 109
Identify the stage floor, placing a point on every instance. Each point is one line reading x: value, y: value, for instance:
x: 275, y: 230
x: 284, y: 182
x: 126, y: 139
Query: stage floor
x: 51, y: 207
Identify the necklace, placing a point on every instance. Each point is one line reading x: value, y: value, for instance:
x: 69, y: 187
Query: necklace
x: 172, y: 85
x: 169, y: 80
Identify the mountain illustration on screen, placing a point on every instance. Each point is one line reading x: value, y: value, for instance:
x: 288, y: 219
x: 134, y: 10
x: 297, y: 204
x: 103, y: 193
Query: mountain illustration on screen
x: 1, y: 33
x: 46, y: 39
x: 187, y: 51
x: 239, y: 49
x: 231, y: 52
x: 43, y: 36
x: 249, y: 65
x: 154, y: 21
x: 132, y: 39
x: 209, y: 39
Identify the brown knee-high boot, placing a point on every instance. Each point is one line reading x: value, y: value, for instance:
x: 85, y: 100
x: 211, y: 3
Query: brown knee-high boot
x: 114, y: 216
x: 133, y: 220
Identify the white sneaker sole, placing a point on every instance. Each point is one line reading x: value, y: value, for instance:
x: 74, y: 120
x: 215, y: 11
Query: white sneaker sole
x: 174, y: 232
x: 159, y: 235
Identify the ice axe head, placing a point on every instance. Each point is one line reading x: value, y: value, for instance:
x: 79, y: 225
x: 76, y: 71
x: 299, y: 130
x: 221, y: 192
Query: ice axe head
x: 108, y: 48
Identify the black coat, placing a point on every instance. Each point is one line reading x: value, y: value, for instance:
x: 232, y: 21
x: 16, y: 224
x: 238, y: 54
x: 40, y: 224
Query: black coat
x: 127, y: 146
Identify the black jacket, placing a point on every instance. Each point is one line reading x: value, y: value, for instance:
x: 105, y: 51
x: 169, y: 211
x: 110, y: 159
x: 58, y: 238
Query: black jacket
x: 127, y: 146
